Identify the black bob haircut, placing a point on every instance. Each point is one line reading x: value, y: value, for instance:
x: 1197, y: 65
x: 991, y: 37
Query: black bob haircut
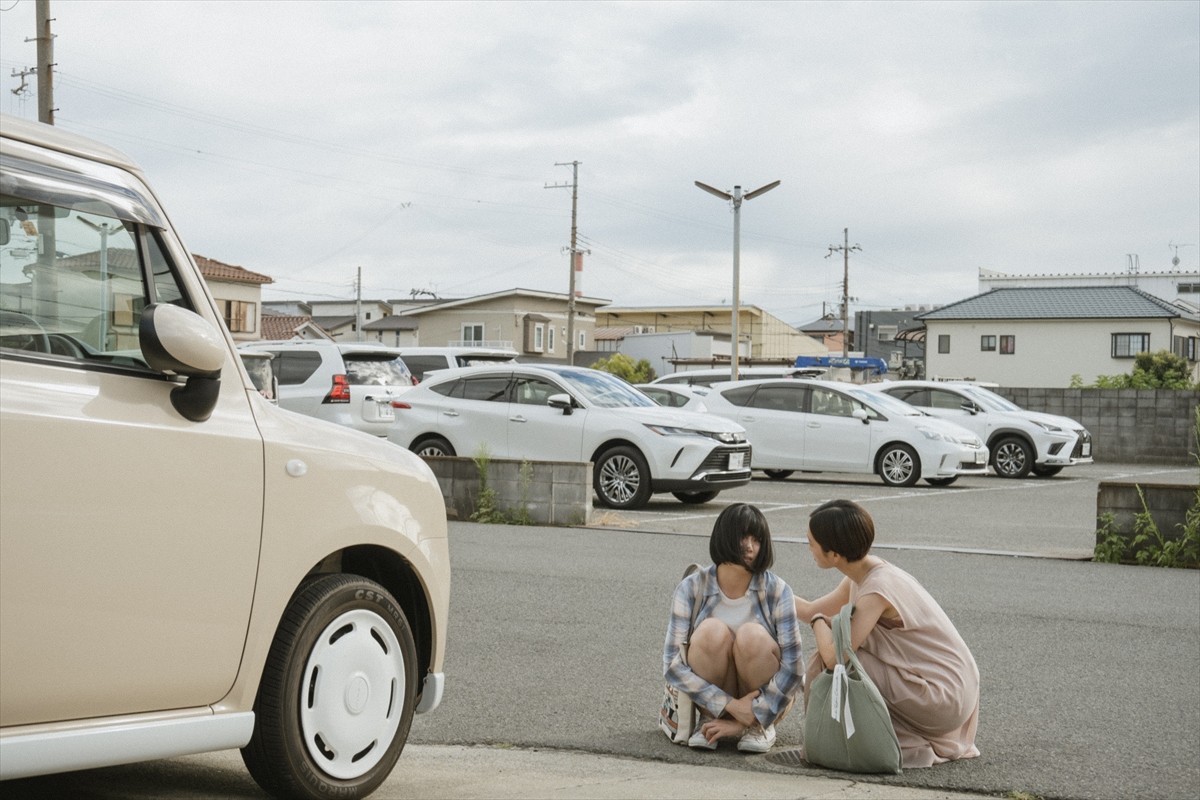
x: 734, y: 524
x: 843, y: 527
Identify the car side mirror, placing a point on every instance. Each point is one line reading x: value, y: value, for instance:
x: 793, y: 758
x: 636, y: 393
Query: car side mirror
x: 860, y: 413
x: 969, y: 407
x: 176, y: 340
x: 562, y: 401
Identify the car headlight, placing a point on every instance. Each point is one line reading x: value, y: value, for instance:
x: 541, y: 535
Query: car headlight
x: 725, y: 437
x: 1046, y: 426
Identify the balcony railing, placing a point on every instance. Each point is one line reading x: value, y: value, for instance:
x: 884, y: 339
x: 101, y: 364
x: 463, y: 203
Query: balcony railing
x: 493, y: 343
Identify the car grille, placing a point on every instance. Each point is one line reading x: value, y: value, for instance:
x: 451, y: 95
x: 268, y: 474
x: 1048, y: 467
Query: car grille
x: 718, y: 460
x: 1084, y: 438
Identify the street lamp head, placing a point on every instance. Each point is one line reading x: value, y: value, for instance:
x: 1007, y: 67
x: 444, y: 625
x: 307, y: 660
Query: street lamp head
x: 712, y: 191
x: 761, y: 190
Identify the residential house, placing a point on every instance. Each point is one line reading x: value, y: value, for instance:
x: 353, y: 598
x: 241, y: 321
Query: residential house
x: 532, y: 322
x: 291, y: 326
x: 831, y: 331
x: 894, y: 335
x: 764, y: 338
x: 1043, y: 337
x: 238, y: 293
x: 669, y: 351
x: 1178, y: 286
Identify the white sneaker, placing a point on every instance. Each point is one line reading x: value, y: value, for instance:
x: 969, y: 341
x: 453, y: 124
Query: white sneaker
x: 698, y: 740
x: 757, y: 740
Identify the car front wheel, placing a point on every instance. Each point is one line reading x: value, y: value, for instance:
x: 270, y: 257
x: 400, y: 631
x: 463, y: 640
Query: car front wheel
x: 1012, y: 458
x: 337, y: 693
x: 622, y: 478
x: 899, y: 465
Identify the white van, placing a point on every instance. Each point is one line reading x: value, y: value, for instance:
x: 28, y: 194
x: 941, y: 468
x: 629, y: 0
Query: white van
x: 421, y: 360
x: 187, y: 567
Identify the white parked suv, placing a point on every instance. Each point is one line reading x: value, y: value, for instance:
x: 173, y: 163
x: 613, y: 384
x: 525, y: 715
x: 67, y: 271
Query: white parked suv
x: 186, y: 567
x: 347, y: 383
x: 560, y: 413
x: 828, y: 426
x: 1020, y: 441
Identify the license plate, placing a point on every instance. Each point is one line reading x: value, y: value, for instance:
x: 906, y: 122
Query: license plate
x: 1086, y: 450
x: 736, y: 460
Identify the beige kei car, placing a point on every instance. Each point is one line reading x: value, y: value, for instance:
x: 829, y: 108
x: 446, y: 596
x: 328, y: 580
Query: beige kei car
x: 185, y: 566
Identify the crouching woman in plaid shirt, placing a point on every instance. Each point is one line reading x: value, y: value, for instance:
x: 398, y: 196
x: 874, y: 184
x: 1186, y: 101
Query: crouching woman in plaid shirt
x: 743, y: 665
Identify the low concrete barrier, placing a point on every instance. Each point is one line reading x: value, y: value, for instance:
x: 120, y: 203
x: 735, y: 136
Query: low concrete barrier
x: 549, y: 493
x: 1168, y: 505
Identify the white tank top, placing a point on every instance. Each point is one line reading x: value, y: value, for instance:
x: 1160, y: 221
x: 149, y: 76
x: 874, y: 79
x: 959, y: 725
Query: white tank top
x: 734, y: 613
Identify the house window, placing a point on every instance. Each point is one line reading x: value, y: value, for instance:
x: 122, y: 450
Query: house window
x: 1185, y: 347
x: 943, y: 343
x: 1008, y: 345
x: 539, y: 336
x: 582, y: 340
x: 550, y: 338
x: 1128, y: 345
x: 987, y: 343
x: 239, y: 316
x: 472, y: 334
x: 886, y: 333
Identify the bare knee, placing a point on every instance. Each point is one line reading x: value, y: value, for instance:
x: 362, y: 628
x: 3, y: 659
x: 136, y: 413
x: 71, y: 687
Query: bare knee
x: 711, y: 637
x: 754, y: 640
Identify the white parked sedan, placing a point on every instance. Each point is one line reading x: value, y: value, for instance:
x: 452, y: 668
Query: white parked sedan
x: 1020, y: 441
x: 561, y: 413
x: 826, y: 426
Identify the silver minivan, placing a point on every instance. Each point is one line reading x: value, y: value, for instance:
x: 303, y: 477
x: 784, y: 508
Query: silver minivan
x: 186, y: 567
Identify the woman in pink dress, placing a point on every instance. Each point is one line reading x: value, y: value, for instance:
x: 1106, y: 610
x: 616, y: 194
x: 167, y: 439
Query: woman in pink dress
x: 905, y: 641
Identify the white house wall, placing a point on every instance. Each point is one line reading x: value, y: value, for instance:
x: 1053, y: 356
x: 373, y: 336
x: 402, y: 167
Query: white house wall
x: 1047, y: 353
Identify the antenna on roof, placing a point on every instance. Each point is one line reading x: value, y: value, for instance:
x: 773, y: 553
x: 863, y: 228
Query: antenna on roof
x: 1175, y: 247
x: 1135, y: 263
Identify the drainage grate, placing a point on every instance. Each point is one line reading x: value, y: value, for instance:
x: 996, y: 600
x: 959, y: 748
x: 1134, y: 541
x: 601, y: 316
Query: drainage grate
x: 788, y: 758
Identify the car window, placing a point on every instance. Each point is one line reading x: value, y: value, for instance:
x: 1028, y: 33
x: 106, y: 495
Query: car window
x: 294, y: 367
x: 419, y: 365
x: 604, y: 390
x: 740, y: 395
x: 990, y: 400
x: 779, y: 398
x: 831, y: 403
x: 75, y: 278
x: 372, y: 369
x: 533, y: 391
x: 945, y: 400
x: 914, y: 397
x: 493, y: 389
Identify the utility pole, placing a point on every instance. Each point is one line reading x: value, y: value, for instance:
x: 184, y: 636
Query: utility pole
x: 358, y: 321
x: 845, y: 248
x: 45, y: 65
x: 575, y: 251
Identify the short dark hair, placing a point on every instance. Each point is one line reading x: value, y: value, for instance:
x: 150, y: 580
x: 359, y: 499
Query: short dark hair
x: 734, y: 524
x: 843, y: 527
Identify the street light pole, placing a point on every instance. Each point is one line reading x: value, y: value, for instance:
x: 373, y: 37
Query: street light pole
x: 736, y: 198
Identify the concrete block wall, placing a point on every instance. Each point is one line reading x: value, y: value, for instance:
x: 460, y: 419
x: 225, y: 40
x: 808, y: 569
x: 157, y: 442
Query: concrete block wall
x: 557, y: 493
x: 1168, y: 505
x: 1128, y: 426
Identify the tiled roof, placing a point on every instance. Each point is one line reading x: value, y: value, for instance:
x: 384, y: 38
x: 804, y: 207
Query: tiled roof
x: 217, y: 271
x: 1063, y: 302
x: 283, y: 326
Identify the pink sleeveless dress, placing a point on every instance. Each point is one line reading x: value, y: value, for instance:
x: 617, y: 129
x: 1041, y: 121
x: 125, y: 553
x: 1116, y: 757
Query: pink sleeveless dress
x: 923, y: 669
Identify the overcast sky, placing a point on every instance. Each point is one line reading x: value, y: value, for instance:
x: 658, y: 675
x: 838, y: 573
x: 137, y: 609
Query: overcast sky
x: 416, y: 140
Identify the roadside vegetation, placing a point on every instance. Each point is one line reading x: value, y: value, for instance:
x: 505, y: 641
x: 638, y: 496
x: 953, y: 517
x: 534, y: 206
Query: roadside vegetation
x: 487, y: 507
x: 625, y: 367
x: 1161, y: 370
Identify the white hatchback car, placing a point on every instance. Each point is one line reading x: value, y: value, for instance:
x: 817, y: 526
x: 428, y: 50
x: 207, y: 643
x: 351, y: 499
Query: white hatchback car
x: 347, y: 383
x: 186, y: 567
x: 826, y: 426
x: 560, y: 413
x: 1020, y: 441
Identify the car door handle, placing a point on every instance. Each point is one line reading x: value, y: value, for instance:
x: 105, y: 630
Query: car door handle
x: 813, y: 425
x: 517, y: 418
x: 749, y: 419
x: 450, y: 413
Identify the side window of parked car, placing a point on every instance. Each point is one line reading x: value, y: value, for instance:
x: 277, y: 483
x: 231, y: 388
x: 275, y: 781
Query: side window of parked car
x: 830, y: 403
x: 77, y: 277
x: 779, y: 398
x: 294, y: 367
x: 947, y: 400
x: 490, y: 389
x: 914, y: 397
x: 534, y: 392
x: 739, y: 396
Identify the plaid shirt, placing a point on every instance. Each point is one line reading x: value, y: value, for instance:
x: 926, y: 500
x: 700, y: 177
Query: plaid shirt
x: 774, y: 608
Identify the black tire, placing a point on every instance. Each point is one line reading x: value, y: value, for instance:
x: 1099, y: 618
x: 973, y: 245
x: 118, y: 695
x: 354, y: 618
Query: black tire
x: 433, y: 446
x: 1012, y: 457
x: 343, y: 641
x: 694, y: 498
x: 941, y: 481
x: 898, y: 465
x: 777, y: 474
x: 1046, y: 472
x: 621, y: 478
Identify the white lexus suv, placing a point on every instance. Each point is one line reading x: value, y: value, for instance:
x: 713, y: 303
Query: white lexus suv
x: 1020, y: 441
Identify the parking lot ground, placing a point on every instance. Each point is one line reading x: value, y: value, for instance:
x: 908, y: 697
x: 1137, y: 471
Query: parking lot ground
x: 1031, y: 517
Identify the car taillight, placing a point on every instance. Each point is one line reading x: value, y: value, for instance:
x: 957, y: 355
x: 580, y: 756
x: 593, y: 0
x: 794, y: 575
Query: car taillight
x: 400, y: 404
x: 340, y: 393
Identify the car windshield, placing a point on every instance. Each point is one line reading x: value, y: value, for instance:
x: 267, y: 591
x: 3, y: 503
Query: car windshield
x: 604, y: 390
x: 884, y: 402
x: 989, y: 400
x: 376, y: 370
